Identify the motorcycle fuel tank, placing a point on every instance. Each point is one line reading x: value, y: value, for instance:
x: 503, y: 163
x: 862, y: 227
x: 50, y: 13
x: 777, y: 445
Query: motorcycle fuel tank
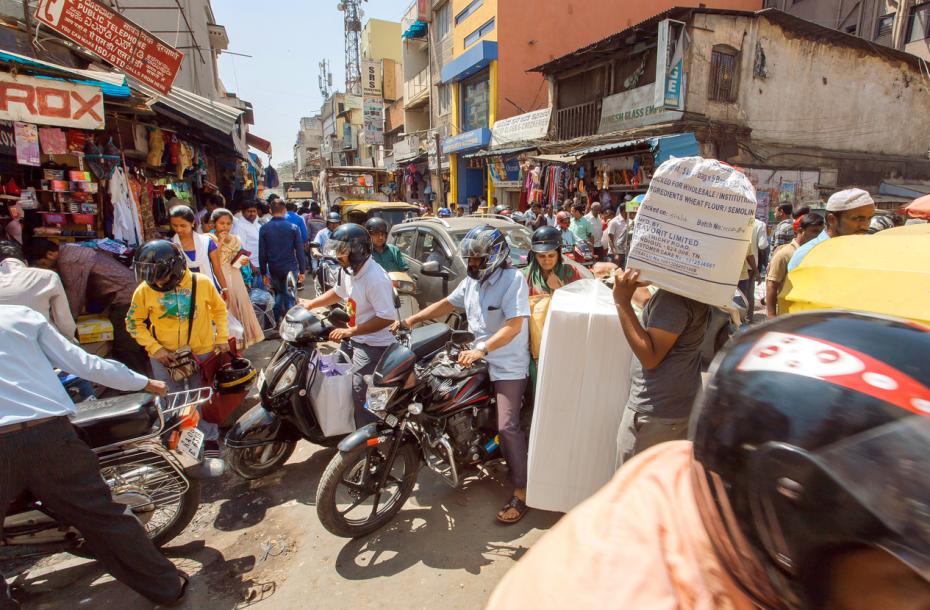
x: 449, y: 394
x: 395, y: 366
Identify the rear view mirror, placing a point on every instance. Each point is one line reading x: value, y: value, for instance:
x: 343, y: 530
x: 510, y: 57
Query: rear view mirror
x: 432, y: 269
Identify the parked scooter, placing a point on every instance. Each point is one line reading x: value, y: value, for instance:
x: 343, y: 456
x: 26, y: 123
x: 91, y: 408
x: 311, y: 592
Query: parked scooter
x: 430, y: 409
x: 151, y: 456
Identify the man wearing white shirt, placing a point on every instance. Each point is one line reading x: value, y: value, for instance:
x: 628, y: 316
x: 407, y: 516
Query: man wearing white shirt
x: 617, y: 240
x: 38, y: 289
x: 597, y: 229
x: 246, y: 227
x: 41, y: 453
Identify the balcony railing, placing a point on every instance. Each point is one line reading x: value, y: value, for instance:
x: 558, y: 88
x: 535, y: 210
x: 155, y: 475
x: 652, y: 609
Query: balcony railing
x: 580, y: 120
x: 416, y: 89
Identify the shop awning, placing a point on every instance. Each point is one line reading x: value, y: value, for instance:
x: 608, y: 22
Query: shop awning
x: 662, y: 147
x: 113, y: 84
x: 504, y: 150
x: 470, y: 62
x: 260, y: 144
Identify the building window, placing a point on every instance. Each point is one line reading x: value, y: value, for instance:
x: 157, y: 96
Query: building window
x: 723, y: 73
x: 475, y: 102
x: 918, y: 23
x: 884, y: 27
x: 480, y: 33
x: 443, y: 20
x: 473, y: 6
x: 445, y: 99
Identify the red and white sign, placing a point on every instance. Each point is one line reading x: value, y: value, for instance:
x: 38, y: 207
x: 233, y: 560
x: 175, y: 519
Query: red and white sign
x: 50, y: 102
x: 114, y: 39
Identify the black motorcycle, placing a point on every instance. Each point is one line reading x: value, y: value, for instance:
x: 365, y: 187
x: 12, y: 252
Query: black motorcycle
x: 431, y: 409
x: 265, y: 437
x: 151, y: 457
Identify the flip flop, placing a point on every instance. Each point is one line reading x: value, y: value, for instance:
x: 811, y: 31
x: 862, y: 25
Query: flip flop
x: 516, y: 504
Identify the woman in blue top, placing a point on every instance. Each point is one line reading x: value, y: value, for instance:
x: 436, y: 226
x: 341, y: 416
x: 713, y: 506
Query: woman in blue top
x: 495, y: 299
x: 202, y: 253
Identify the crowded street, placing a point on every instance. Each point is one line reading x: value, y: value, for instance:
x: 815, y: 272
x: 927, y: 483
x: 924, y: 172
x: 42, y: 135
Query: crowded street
x: 545, y: 305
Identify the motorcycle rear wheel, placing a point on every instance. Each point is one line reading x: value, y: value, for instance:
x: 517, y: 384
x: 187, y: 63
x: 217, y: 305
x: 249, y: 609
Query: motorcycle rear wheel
x: 257, y: 462
x: 349, y: 480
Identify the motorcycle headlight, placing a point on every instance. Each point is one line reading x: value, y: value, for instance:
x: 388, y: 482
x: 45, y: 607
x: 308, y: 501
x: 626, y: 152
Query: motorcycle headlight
x: 290, y: 330
x: 286, y: 380
x: 378, y: 398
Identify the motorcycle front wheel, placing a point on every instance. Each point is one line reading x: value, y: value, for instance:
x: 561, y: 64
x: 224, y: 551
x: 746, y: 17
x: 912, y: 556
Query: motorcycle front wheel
x: 257, y: 462
x: 349, y: 501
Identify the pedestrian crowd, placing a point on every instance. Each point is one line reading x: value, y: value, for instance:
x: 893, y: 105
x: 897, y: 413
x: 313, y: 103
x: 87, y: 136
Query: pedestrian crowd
x: 731, y: 518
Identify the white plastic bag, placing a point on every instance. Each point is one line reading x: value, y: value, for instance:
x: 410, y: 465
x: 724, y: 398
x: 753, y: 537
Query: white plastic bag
x: 235, y: 327
x: 331, y: 394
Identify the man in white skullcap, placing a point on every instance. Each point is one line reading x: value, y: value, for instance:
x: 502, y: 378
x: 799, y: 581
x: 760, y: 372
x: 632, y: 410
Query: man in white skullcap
x: 849, y: 212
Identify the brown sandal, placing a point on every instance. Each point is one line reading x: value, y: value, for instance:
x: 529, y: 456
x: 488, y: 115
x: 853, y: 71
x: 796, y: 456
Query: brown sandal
x: 518, y: 505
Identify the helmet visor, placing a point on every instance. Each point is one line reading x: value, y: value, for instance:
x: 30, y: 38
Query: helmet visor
x: 152, y: 274
x: 335, y: 248
x: 886, y: 470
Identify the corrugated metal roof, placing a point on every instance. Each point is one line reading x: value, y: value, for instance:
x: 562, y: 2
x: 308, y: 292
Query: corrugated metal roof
x: 664, y: 147
x: 611, y: 147
x: 504, y: 150
x: 214, y: 114
x: 788, y: 22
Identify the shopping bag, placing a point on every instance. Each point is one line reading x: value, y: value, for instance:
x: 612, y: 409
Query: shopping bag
x: 236, y: 330
x: 221, y: 406
x: 539, y: 308
x: 331, y: 394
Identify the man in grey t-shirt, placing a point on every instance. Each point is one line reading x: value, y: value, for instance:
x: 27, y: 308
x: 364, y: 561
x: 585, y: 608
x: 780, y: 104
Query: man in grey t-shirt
x: 665, y: 375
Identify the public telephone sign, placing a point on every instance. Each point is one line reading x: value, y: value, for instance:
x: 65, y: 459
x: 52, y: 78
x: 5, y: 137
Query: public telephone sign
x: 114, y: 39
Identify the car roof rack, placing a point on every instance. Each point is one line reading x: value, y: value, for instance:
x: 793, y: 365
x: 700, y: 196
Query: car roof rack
x: 427, y: 219
x: 496, y: 216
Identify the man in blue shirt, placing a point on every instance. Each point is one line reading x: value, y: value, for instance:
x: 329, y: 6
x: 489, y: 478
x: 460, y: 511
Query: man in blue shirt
x: 296, y: 219
x: 849, y: 212
x: 42, y: 454
x: 281, y: 251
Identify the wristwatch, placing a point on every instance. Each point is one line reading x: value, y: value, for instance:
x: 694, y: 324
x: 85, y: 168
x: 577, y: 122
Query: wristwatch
x: 482, y: 347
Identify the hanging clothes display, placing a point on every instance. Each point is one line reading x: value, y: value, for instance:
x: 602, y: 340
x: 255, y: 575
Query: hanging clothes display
x: 141, y: 195
x: 127, y: 226
x: 156, y: 147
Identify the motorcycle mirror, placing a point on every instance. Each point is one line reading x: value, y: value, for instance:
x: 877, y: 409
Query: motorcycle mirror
x: 338, y: 317
x: 432, y: 269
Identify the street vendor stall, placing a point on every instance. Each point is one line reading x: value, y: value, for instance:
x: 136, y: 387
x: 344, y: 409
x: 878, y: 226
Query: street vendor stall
x: 355, y: 183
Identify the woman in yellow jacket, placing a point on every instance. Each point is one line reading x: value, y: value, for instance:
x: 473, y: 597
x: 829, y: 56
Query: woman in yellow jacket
x: 160, y: 314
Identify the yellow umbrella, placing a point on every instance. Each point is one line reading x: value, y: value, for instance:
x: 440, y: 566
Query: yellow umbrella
x: 886, y: 273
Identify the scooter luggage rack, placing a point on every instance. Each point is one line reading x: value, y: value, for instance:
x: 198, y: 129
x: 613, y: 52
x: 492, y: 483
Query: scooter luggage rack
x: 176, y: 401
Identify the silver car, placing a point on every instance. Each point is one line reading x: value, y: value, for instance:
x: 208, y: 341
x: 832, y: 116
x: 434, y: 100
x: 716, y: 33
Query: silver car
x: 424, y: 240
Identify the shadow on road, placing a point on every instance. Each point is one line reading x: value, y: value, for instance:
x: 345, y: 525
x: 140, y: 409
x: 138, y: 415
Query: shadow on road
x: 247, y: 502
x: 457, y: 532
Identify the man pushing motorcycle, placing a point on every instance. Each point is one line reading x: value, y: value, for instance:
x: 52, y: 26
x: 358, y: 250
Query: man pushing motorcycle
x: 495, y: 298
x: 40, y: 452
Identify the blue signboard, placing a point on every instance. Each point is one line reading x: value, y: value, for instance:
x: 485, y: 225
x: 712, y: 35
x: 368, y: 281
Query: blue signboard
x: 476, y: 138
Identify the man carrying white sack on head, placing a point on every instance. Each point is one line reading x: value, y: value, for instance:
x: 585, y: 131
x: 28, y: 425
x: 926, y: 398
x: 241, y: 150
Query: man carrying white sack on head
x: 665, y: 374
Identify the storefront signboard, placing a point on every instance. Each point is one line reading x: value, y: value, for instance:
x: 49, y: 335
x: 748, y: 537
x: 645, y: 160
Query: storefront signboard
x: 505, y: 171
x: 633, y: 108
x: 521, y: 128
x: 114, y: 39
x: 373, y: 117
x: 50, y: 102
x: 670, y: 65
x: 371, y: 78
x: 693, y: 229
x: 476, y: 138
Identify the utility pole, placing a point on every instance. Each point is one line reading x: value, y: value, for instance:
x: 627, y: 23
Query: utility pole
x: 325, y: 79
x: 442, y: 187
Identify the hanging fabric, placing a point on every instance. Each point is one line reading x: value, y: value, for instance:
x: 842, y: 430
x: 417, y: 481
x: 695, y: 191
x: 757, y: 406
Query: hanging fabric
x: 127, y: 225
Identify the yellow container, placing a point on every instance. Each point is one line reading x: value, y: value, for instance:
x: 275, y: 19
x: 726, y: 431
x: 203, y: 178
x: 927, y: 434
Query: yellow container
x: 92, y: 329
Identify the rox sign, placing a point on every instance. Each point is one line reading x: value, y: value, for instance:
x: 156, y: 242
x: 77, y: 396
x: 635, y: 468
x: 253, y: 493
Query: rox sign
x: 49, y: 102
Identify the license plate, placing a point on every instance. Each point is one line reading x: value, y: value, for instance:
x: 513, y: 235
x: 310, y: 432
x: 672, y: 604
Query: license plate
x: 191, y: 442
x: 261, y: 381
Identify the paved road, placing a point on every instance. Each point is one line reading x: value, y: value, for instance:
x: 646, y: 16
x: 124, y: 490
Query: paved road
x: 260, y: 544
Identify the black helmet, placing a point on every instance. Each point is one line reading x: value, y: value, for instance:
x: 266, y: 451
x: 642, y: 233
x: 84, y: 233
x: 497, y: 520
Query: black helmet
x: 811, y: 438
x: 547, y: 239
x: 333, y: 217
x: 351, y: 239
x: 376, y: 225
x: 488, y: 243
x: 234, y: 377
x: 160, y: 264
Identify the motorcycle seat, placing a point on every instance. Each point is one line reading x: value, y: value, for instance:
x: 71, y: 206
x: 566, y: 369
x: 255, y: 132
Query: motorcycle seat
x: 115, y: 420
x: 428, y: 339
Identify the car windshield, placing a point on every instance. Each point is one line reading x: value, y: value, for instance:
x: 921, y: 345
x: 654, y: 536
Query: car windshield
x: 518, y: 237
x: 393, y: 217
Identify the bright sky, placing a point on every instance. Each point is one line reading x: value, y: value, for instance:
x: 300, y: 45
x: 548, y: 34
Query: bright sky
x: 286, y: 39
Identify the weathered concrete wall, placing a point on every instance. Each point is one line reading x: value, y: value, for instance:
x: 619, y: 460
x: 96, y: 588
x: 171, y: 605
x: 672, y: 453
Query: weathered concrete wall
x: 814, y: 94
